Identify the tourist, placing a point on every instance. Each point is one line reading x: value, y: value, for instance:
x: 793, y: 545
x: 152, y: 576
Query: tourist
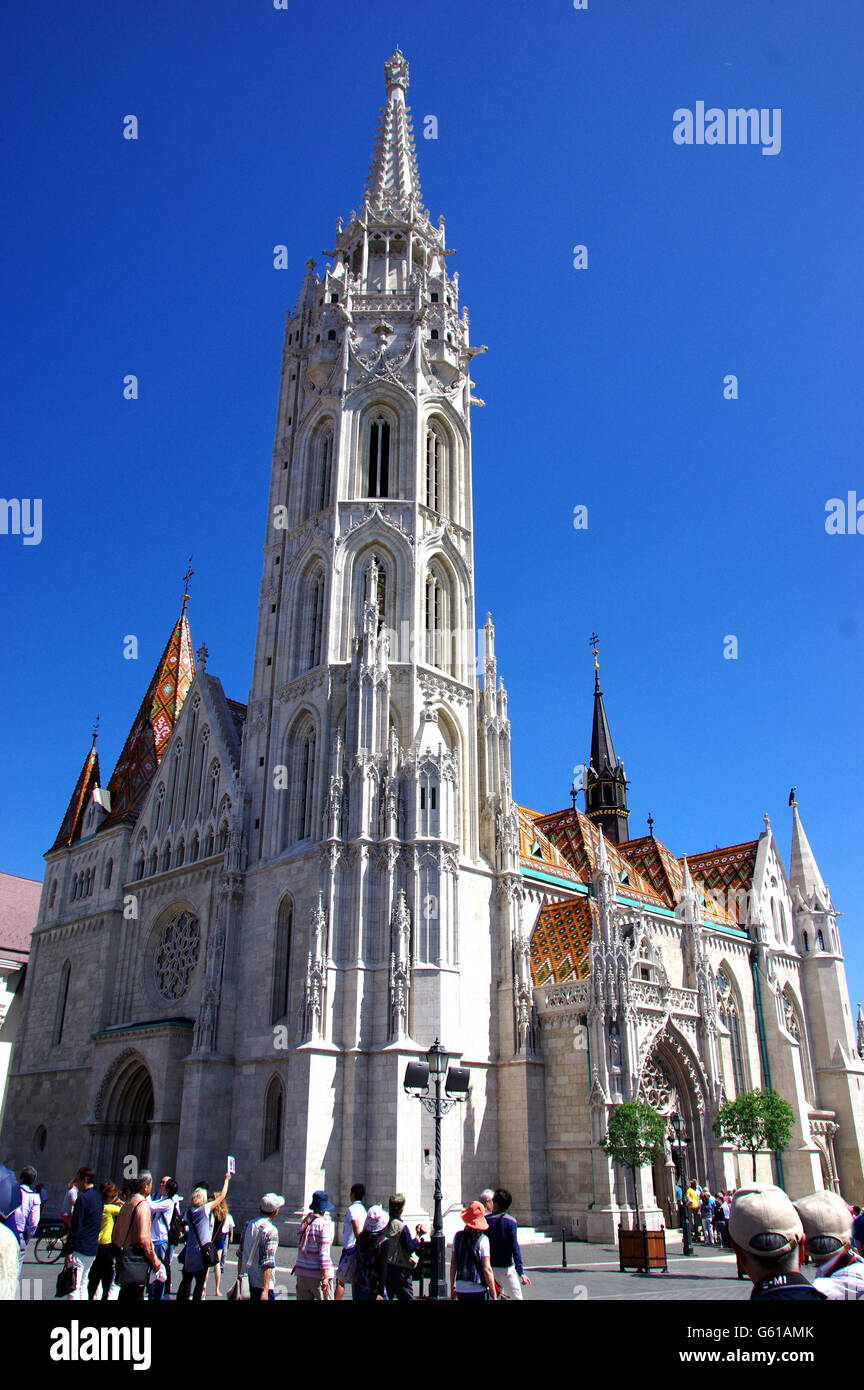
x: 471, y: 1277
x: 176, y: 1229
x: 223, y: 1225
x: 25, y: 1218
x: 858, y: 1229
x: 504, y: 1253
x: 68, y: 1203
x: 767, y: 1235
x: 314, y: 1269
x: 199, y: 1221
x: 355, y: 1216
x: 256, y: 1257
x: 102, y: 1268
x: 402, y: 1252
x: 162, y: 1209
x: 691, y: 1197
x: 10, y: 1264
x: 133, y: 1242
x: 82, y: 1242
x: 487, y: 1197
x: 827, y: 1224
x: 706, y: 1213
x: 721, y: 1219
x: 369, y: 1284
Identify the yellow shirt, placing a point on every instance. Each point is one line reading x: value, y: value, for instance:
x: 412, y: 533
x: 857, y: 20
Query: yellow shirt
x: 692, y: 1198
x: 106, y: 1230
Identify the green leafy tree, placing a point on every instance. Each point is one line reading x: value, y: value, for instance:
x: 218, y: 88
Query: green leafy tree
x: 755, y: 1120
x: 635, y: 1138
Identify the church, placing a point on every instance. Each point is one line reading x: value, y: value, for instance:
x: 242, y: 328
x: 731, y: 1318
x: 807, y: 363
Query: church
x: 269, y: 908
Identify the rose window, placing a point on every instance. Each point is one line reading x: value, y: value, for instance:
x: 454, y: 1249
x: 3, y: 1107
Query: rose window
x: 177, y: 956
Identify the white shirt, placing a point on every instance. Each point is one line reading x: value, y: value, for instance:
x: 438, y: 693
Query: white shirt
x: 481, y: 1252
x: 356, y: 1212
x: 846, y: 1283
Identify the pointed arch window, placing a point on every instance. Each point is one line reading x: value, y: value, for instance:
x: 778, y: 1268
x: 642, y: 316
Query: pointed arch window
x: 281, y: 962
x: 320, y: 472
x: 53, y: 893
x: 378, y: 459
x: 436, y: 620
x: 301, y: 766
x: 435, y: 461
x: 109, y: 870
x: 152, y: 866
x: 316, y: 620
x: 208, y: 843
x: 157, y: 814
x: 214, y: 786
x: 166, y: 857
x: 62, y: 999
x: 271, y: 1138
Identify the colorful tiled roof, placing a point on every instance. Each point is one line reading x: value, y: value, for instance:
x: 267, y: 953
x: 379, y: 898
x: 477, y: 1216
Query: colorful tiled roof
x: 577, y: 839
x: 657, y: 865
x: 154, y: 722
x: 537, y: 852
x: 88, y: 778
x: 560, y: 942
x: 728, y: 871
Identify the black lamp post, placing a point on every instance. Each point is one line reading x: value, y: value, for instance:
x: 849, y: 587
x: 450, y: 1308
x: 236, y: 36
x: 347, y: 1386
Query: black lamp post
x: 683, y: 1214
x: 416, y: 1083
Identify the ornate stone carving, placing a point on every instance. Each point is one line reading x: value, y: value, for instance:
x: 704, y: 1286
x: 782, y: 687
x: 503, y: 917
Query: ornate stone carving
x: 177, y: 955
x: 316, y: 976
x: 400, y: 968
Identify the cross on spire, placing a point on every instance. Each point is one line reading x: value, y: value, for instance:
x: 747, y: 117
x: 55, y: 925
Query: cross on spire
x: 187, y: 576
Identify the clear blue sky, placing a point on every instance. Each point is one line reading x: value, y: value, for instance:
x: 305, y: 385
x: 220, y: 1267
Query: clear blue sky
x: 602, y: 387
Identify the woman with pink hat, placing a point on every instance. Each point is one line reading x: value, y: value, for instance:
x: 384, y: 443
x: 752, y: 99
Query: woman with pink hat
x: 471, y: 1277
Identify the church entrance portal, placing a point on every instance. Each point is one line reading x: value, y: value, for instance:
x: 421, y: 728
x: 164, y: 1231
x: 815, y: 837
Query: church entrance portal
x: 124, y: 1137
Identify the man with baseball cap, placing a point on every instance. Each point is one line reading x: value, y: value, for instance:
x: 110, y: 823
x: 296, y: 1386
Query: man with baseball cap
x: 766, y: 1235
x: 827, y: 1223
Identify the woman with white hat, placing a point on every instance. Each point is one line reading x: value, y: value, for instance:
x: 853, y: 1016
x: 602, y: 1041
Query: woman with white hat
x: 370, y: 1263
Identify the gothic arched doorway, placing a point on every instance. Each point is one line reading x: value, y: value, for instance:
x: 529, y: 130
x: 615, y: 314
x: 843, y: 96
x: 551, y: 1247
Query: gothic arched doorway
x: 124, y: 1135
x: 665, y: 1084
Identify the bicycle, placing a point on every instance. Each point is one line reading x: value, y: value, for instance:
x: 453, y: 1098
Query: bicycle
x: 50, y: 1241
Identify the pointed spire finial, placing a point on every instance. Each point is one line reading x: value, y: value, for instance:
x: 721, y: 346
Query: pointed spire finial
x: 186, y: 578
x: 767, y: 820
x: 201, y: 656
x: 593, y: 640
x: 95, y: 731
x: 792, y: 799
x: 651, y: 825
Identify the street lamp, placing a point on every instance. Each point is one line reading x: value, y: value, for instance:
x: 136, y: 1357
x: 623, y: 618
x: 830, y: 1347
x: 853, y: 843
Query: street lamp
x: 683, y: 1214
x: 416, y: 1084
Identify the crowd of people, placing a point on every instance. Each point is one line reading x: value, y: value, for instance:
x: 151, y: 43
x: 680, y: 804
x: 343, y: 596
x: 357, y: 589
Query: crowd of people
x: 122, y: 1244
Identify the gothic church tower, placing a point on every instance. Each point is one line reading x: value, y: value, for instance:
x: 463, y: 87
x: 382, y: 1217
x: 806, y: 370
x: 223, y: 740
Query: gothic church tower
x: 368, y: 911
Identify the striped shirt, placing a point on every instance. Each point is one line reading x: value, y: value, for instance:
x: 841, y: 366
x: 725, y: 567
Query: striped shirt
x: 313, y: 1254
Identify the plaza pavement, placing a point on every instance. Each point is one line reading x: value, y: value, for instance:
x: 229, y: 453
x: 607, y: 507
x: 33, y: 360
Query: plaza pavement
x: 592, y: 1272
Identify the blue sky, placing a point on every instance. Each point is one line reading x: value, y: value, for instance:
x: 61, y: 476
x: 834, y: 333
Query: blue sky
x: 603, y: 387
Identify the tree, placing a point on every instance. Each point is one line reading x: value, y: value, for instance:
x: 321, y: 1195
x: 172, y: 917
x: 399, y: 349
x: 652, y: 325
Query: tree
x: 635, y: 1138
x: 755, y: 1120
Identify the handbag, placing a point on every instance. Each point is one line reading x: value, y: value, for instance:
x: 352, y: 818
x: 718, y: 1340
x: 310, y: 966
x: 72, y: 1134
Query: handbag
x: 209, y: 1253
x: 67, y: 1280
x: 131, y: 1267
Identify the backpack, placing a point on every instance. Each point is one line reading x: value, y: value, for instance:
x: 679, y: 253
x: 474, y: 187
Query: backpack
x: 176, y: 1227
x: 467, y: 1261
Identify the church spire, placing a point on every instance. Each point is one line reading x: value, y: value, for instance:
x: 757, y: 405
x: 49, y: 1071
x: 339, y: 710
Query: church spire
x: 88, y: 780
x: 606, y: 788
x: 159, y: 712
x: 393, y: 177
x: 803, y: 869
